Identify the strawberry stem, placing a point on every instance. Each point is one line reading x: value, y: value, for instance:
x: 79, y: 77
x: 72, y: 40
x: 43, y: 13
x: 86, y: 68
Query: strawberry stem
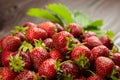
x: 16, y: 63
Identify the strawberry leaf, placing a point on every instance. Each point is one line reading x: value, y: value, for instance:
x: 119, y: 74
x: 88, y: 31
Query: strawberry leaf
x: 110, y: 34
x: 19, y: 29
x: 61, y: 11
x: 42, y: 13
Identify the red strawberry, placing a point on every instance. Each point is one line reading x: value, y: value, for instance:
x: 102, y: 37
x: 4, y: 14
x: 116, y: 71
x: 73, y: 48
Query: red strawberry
x: 48, y: 43
x: 38, y: 55
x: 69, y: 68
x: 116, y: 58
x: 29, y: 24
x: 95, y: 77
x: 26, y: 75
x: 20, y: 35
x: 106, y: 41
x: 55, y: 54
x: 75, y: 29
x: 100, y: 51
x: 104, y: 66
x: 81, y: 78
x: 10, y: 43
x: 49, y: 27
x: 79, y: 51
x: 35, y: 33
x: 48, y: 69
x: 92, y: 41
x: 88, y: 34
x: 60, y: 40
x: 59, y: 27
x: 6, y: 74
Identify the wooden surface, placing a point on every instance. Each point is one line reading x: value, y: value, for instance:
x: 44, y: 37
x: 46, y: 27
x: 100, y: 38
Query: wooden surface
x: 13, y: 12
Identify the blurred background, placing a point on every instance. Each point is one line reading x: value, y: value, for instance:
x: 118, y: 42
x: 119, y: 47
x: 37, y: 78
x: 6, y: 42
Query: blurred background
x: 13, y: 12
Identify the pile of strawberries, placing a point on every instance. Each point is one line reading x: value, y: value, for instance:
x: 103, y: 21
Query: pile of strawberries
x: 48, y: 51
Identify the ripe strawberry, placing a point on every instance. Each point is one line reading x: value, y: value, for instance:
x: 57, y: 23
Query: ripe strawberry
x: 92, y: 41
x: 75, y: 29
x: 6, y: 74
x: 79, y: 51
x: 47, y: 69
x: 100, y: 51
x: 116, y: 58
x: 20, y: 35
x: 49, y: 27
x: 26, y: 75
x: 55, y: 54
x: 88, y: 34
x: 10, y: 43
x: 48, y: 43
x: 38, y: 55
x: 81, y: 78
x: 106, y: 41
x: 59, y: 27
x: 35, y: 33
x: 60, y: 40
x: 104, y: 66
x: 29, y: 24
x: 69, y: 68
x: 95, y: 77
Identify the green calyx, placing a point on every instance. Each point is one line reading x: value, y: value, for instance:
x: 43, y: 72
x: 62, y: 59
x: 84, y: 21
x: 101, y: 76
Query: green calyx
x: 26, y: 46
x: 16, y: 63
x: 114, y: 49
x: 114, y: 72
x: 19, y: 29
x: 82, y: 61
x: 0, y: 77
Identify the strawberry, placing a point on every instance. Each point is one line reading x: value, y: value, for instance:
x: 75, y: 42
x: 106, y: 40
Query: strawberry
x: 35, y: 33
x: 38, y: 54
x: 29, y: 24
x: 95, y: 77
x: 6, y: 74
x: 106, y: 41
x: 26, y: 75
x: 81, y: 78
x: 49, y: 27
x: 10, y: 43
x: 104, y: 66
x: 100, y: 51
x: 92, y: 41
x: 88, y: 34
x: 116, y: 58
x: 48, y: 43
x: 60, y: 40
x: 20, y: 35
x: 55, y: 54
x: 47, y: 69
x: 59, y: 27
x: 69, y: 68
x: 75, y: 29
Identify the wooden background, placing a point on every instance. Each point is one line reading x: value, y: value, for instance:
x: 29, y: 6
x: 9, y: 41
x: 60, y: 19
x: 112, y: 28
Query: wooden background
x: 13, y: 12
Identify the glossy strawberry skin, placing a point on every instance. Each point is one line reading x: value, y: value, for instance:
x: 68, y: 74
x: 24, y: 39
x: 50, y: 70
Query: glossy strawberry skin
x: 25, y: 75
x: 106, y: 41
x: 38, y: 56
x: 49, y: 27
x: 59, y: 40
x: 29, y: 24
x: 100, y: 51
x: 55, y: 54
x: 116, y: 58
x: 104, y: 66
x: 75, y: 29
x: 92, y: 41
x: 79, y: 50
x: 20, y: 35
x: 47, y: 68
x: 6, y: 74
x: 48, y: 43
x: 70, y: 68
x: 95, y: 77
x: 59, y: 27
x: 35, y: 33
x: 10, y: 43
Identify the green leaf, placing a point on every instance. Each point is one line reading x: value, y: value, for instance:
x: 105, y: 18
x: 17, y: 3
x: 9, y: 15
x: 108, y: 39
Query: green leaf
x: 110, y: 34
x: 99, y: 32
x: 19, y: 29
x: 41, y: 13
x: 61, y: 11
x: 81, y: 19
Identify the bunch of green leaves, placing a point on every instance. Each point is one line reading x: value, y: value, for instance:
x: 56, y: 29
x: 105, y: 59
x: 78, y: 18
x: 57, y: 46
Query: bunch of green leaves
x: 59, y: 13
